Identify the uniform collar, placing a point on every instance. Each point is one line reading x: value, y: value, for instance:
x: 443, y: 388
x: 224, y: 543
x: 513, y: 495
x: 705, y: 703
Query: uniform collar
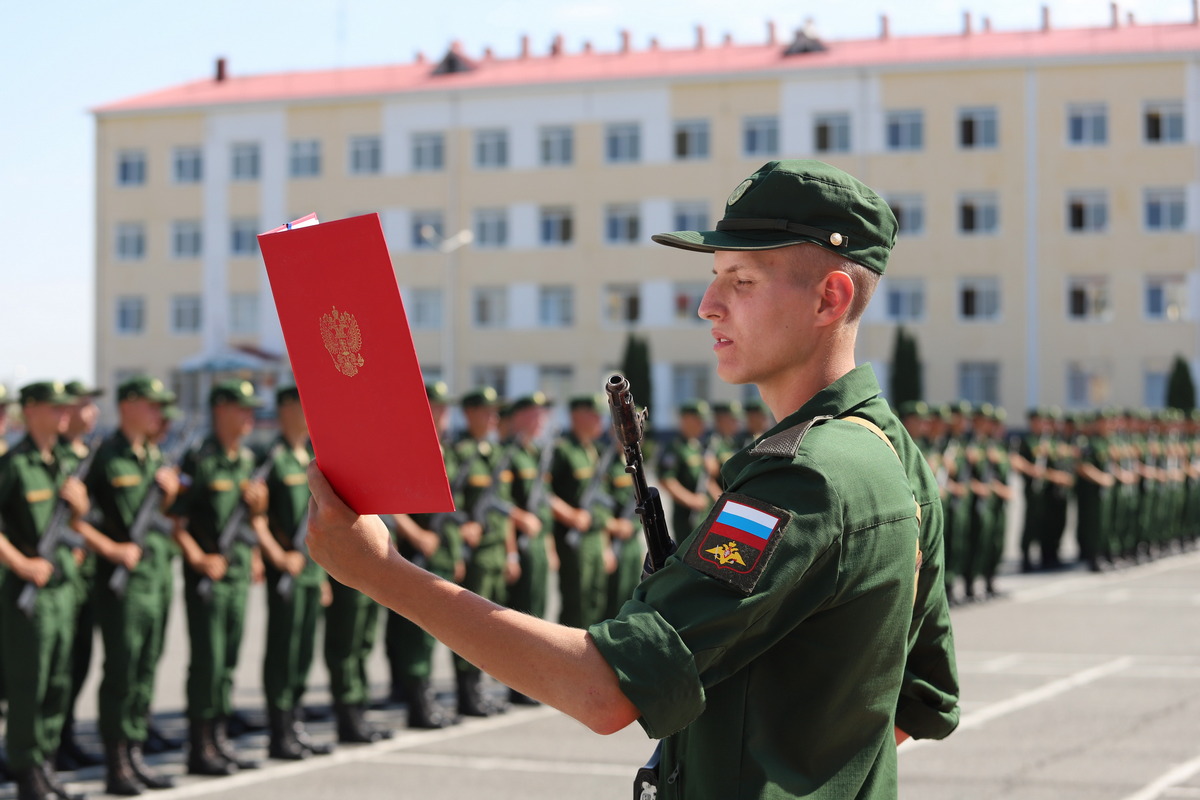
x: 846, y: 393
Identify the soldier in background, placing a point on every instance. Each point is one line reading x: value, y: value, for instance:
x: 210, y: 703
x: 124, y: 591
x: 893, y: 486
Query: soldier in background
x: 4, y: 773
x: 998, y: 456
x: 958, y: 492
x: 682, y: 471
x: 1060, y: 476
x: 628, y: 549
x: 433, y: 542
x: 723, y: 442
x: 36, y: 649
x: 1094, y: 483
x: 293, y: 609
x: 1032, y: 460
x: 758, y: 420
x: 127, y: 467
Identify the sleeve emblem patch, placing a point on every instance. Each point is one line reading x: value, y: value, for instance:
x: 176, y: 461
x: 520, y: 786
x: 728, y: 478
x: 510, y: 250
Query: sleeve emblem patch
x: 736, y: 540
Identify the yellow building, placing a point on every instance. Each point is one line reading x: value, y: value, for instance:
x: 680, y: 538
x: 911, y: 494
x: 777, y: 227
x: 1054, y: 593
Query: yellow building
x: 1045, y: 182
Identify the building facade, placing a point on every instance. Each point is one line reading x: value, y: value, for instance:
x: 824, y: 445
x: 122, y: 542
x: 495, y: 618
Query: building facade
x: 1047, y: 184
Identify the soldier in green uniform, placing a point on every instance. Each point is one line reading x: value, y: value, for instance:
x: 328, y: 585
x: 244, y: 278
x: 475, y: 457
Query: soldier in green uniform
x: 36, y: 649
x: 577, y: 473
x: 296, y: 587
x: 628, y: 550
x: 430, y: 541
x: 771, y: 670
x: 726, y: 437
x: 1093, y: 491
x: 959, y: 498
x: 4, y: 774
x: 682, y: 470
x: 127, y: 466
x: 999, y: 458
x: 214, y: 481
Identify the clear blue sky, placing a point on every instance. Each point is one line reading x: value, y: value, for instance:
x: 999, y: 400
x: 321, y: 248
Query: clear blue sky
x: 60, y: 59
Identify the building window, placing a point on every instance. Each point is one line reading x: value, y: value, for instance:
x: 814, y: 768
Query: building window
x: 428, y: 152
x: 979, y: 382
x: 131, y: 315
x: 428, y: 229
x: 977, y: 128
x: 905, y: 130
x: 243, y: 237
x: 622, y: 143
x: 905, y: 299
x: 1166, y: 210
x: 689, y: 382
x: 187, y: 164
x: 489, y: 307
x: 831, y: 133
x: 491, y: 227
x: 691, y: 139
x: 621, y: 224
x: 185, y: 313
x: 1087, y: 124
x: 687, y: 302
x: 978, y: 213
x: 1166, y: 298
x: 556, y: 306
x: 760, y: 136
x: 186, y: 238
x: 304, y: 159
x: 366, y: 155
x: 1087, y: 386
x: 978, y: 299
x: 555, y: 226
x: 245, y: 159
x: 131, y: 241
x: 1154, y: 389
x: 910, y: 213
x: 691, y: 216
x: 425, y: 311
x: 556, y: 146
x: 622, y: 304
x: 131, y: 168
x: 555, y: 380
x: 491, y: 149
x: 493, y: 375
x: 243, y: 313
x: 1164, y: 123
x: 1087, y: 212
x: 1088, y: 299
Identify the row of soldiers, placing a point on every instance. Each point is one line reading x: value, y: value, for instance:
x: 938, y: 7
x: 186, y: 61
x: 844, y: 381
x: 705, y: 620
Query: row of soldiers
x: 95, y: 526
x: 1133, y: 476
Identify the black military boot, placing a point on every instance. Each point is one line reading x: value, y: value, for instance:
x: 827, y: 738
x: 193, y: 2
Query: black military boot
x: 158, y: 742
x: 301, y: 734
x: 32, y: 785
x: 225, y: 747
x: 424, y: 711
x: 203, y: 757
x: 70, y: 755
x: 473, y: 700
x: 57, y: 788
x: 141, y: 770
x: 284, y: 744
x: 353, y: 728
x: 119, y: 779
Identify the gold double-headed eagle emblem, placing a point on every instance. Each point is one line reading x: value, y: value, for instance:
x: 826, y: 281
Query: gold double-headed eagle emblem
x: 343, y: 340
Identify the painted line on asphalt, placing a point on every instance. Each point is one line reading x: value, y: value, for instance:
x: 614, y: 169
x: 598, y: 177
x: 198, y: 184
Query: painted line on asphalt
x: 508, y: 763
x: 275, y: 770
x: 1032, y: 697
x: 1176, y: 774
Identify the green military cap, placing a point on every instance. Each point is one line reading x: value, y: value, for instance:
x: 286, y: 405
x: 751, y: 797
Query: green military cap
x: 999, y: 414
x: 591, y: 402
x: 943, y: 412
x: 145, y: 386
x: 77, y: 390
x: 286, y: 394
x: 535, y: 400
x: 234, y: 391
x: 171, y: 411
x: 437, y: 392
x: 483, y: 396
x: 912, y: 408
x: 791, y: 202
x: 756, y: 404
x: 698, y: 407
x: 961, y: 407
x: 53, y: 392
x: 727, y: 407
x: 986, y: 410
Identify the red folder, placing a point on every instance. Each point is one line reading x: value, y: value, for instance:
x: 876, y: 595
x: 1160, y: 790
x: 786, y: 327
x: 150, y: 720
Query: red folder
x: 352, y: 353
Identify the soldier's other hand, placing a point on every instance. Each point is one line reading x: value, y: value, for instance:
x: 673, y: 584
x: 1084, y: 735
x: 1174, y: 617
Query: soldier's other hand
x: 620, y: 528
x: 528, y: 523
x: 610, y: 561
x: 347, y: 545
x: 125, y: 554
x: 37, y: 571
x: 75, y: 494
x: 78, y: 554
x: 258, y: 573
x: 427, y: 543
x: 460, y: 571
x: 698, y: 501
x: 583, y: 519
x: 326, y: 594
x: 167, y: 480
x: 293, y: 562
x: 212, y: 566
x: 471, y: 533
x: 512, y: 571
x: 255, y: 495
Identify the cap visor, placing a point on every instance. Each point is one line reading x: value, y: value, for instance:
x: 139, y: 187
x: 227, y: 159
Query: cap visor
x: 711, y: 241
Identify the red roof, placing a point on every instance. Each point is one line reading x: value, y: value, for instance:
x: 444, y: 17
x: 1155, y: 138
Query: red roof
x: 716, y: 59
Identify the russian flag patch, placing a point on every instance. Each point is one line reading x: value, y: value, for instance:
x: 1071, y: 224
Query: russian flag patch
x: 736, y: 540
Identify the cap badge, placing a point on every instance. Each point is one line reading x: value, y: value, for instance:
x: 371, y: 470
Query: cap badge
x: 737, y: 193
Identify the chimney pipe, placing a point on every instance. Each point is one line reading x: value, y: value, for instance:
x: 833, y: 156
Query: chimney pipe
x: 699, y: 37
x: 221, y: 74
x: 966, y: 23
x: 1196, y: 12
x: 771, y: 35
x: 1046, y: 18
x: 587, y: 47
x: 987, y: 25
x: 1116, y: 15
x: 885, y: 27
x: 556, y: 46
x: 525, y: 46
x: 1129, y: 20
x: 653, y: 42
x: 420, y: 58
x: 488, y: 55
x: 624, y: 40
x: 727, y: 40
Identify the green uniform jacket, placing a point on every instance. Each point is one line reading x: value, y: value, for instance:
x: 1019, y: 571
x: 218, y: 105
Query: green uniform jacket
x: 287, y: 488
x: 780, y: 675
x: 210, y: 489
x: 118, y: 482
x: 28, y: 492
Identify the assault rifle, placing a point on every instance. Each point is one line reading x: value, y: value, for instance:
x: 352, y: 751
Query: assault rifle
x: 537, y: 495
x: 148, y: 513
x: 592, y: 495
x: 287, y: 582
x: 236, y: 529
x: 58, y: 530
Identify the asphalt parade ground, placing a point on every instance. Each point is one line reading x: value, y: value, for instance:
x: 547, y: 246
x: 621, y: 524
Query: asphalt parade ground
x: 1074, y: 685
